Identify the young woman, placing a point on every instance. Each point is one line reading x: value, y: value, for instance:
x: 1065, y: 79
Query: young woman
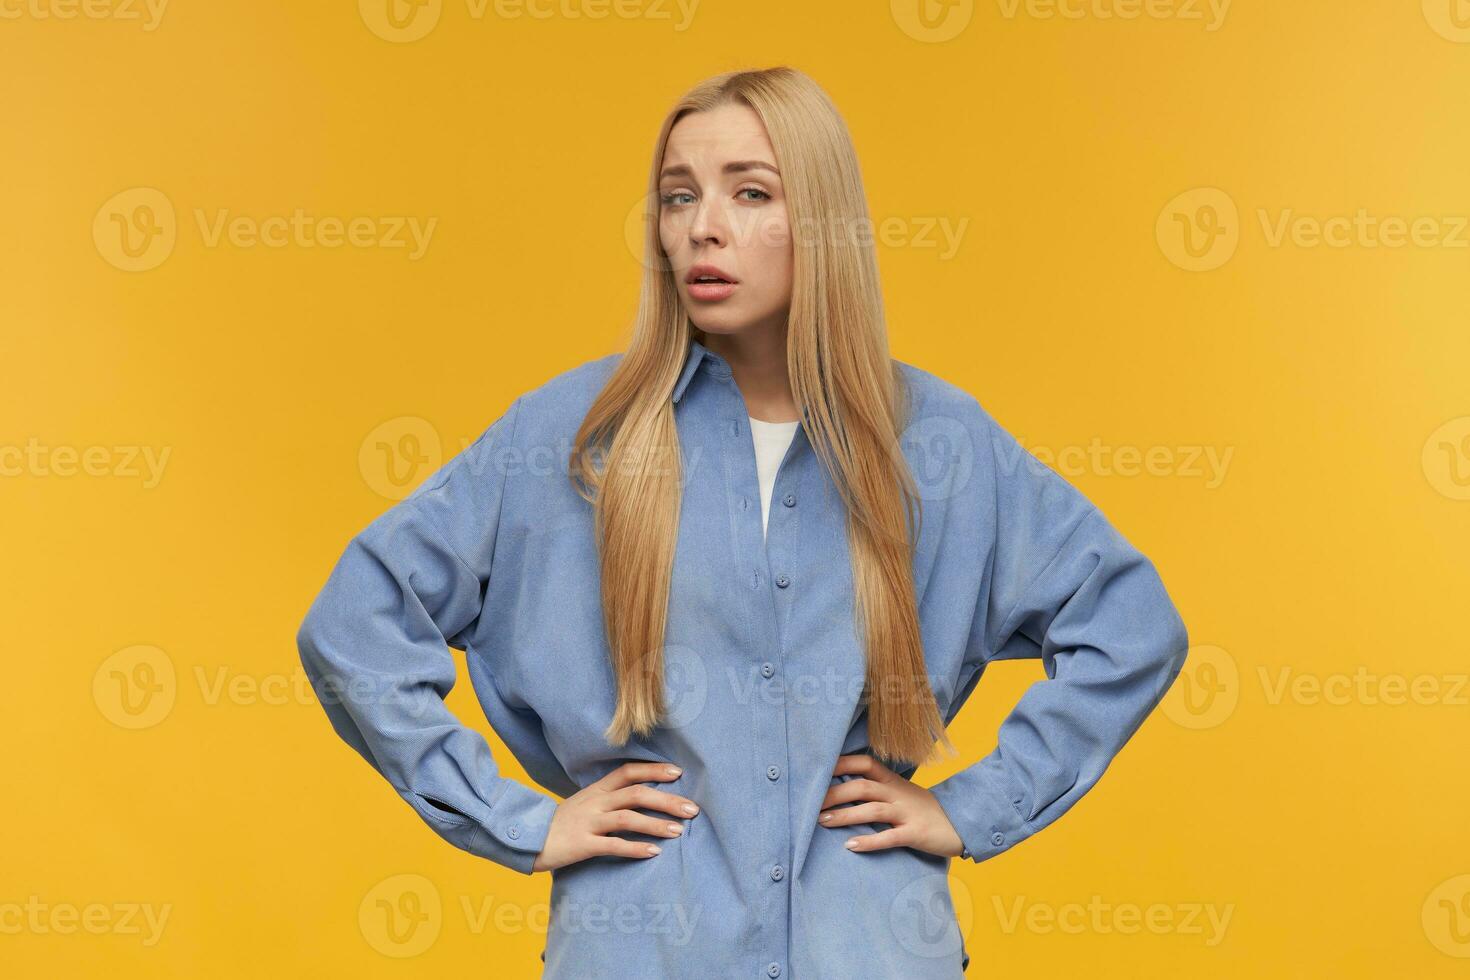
x: 723, y: 592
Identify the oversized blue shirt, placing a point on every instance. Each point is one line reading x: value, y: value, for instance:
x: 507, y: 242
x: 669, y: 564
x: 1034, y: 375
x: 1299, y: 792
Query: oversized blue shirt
x: 494, y: 554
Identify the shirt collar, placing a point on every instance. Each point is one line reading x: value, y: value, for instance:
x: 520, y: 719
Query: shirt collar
x: 692, y: 360
x: 698, y: 354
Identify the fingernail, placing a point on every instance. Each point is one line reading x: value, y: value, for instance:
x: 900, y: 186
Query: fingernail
x: 674, y: 770
x: 675, y: 829
x: 654, y: 849
x: 690, y: 809
x: 851, y: 843
x: 824, y: 817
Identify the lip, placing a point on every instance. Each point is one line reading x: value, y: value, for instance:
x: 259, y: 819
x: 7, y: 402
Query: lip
x: 710, y: 292
x: 704, y: 269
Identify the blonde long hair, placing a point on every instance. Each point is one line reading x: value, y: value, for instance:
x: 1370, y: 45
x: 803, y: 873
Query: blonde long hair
x: 850, y: 393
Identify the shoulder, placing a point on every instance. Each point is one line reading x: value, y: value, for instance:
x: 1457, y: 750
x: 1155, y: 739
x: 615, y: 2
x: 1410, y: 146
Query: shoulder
x: 948, y: 425
x: 534, y: 430
x: 583, y: 380
x: 933, y: 399
x: 556, y: 406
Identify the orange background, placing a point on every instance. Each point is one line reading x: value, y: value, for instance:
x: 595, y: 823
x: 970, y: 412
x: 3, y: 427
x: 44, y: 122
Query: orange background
x: 1134, y: 269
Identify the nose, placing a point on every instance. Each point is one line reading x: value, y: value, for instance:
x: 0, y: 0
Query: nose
x: 710, y: 224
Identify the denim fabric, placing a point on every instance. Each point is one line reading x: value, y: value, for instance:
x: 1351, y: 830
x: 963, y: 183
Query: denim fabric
x: 494, y: 554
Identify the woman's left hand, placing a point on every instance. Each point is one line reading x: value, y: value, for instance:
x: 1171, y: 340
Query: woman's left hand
x: 918, y: 819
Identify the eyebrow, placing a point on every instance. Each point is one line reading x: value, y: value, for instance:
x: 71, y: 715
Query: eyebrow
x: 733, y: 167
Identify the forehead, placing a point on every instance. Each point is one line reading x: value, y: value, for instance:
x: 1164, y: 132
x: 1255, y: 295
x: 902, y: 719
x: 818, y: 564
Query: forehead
x: 710, y: 137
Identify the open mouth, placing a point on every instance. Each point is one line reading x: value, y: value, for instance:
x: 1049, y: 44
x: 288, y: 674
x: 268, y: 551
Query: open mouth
x: 711, y: 288
x: 708, y: 274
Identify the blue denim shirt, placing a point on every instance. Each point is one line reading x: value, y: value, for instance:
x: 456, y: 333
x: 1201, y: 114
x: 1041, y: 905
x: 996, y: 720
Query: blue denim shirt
x: 494, y: 554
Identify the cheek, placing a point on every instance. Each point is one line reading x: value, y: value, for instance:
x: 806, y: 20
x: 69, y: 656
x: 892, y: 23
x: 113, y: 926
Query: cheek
x: 766, y: 232
x: 672, y: 233
x: 771, y: 252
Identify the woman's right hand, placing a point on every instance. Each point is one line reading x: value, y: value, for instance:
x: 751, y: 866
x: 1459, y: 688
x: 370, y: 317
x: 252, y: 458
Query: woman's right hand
x: 582, y: 822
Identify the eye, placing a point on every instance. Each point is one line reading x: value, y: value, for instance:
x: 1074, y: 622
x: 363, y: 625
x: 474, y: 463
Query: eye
x: 672, y: 199
x: 754, y: 190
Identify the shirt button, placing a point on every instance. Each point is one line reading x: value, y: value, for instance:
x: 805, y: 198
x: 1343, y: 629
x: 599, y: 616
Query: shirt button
x: 777, y: 873
x: 773, y: 772
x: 782, y: 581
x: 767, y: 670
x: 774, y: 970
x: 513, y: 832
x: 997, y: 838
x: 789, y: 500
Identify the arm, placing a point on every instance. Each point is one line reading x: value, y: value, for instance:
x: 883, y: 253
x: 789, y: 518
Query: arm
x: 1067, y: 588
x: 375, y: 645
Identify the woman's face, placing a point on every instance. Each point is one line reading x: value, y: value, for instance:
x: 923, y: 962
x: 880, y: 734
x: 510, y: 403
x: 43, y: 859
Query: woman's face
x: 722, y: 214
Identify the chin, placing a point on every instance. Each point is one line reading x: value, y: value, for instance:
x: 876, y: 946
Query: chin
x: 719, y: 321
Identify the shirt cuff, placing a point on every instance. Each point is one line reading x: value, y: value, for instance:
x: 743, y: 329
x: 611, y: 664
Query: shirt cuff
x: 514, y: 833
x: 984, y: 810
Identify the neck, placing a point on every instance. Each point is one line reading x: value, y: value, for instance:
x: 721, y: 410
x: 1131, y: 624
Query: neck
x: 757, y: 358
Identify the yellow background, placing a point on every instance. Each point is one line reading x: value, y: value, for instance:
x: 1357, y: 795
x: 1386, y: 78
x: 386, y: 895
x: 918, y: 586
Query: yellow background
x: 1333, y: 547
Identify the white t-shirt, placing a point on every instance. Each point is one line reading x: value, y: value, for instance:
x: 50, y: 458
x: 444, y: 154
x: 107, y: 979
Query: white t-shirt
x: 771, y: 442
